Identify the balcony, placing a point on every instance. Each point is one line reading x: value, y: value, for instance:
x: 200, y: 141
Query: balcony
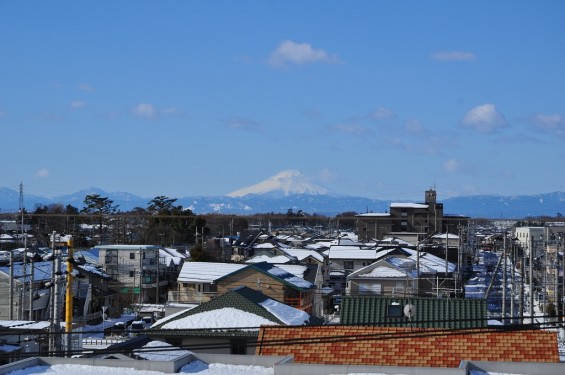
x: 190, y: 296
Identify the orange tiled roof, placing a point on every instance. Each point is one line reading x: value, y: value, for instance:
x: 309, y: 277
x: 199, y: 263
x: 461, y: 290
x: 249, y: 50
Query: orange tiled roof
x: 402, y: 346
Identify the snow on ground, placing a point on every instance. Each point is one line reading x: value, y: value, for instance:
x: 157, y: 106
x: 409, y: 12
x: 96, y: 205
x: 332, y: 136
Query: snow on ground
x: 196, y: 367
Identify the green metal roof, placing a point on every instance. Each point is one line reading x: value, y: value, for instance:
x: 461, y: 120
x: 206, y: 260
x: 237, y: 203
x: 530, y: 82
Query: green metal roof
x: 429, y: 312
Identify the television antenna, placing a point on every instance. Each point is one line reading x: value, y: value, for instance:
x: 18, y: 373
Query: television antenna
x: 409, y: 311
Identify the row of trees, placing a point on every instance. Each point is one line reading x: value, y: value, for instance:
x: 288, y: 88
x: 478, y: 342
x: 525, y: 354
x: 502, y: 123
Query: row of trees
x: 100, y: 221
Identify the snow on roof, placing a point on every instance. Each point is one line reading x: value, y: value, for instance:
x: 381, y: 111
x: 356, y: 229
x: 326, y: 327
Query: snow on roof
x: 431, y: 261
x: 374, y: 214
x: 160, y: 351
x: 295, y: 269
x: 408, y: 205
x: 344, y: 252
x: 288, y: 277
x: 265, y: 245
x: 286, y: 314
x: 227, y: 317
x: 93, y: 269
x: 278, y: 259
x: 206, y: 272
x: 382, y: 271
x: 444, y: 236
x: 302, y: 254
x: 193, y: 367
x: 170, y: 256
x: 397, y: 241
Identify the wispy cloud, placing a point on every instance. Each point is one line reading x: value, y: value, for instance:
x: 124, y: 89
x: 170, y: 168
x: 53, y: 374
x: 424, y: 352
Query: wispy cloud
x: 548, y: 123
x: 414, y: 127
x: 452, y: 165
x: 353, y: 129
x: 44, y: 172
x: 145, y: 110
x: 85, y: 87
x: 484, y: 118
x: 291, y: 53
x: 243, y: 124
x: 75, y: 104
x: 453, y: 56
x: 172, y: 111
x: 382, y: 113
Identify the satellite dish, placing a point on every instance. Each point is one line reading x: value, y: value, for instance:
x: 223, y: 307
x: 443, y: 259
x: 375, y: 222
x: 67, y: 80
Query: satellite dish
x: 409, y: 311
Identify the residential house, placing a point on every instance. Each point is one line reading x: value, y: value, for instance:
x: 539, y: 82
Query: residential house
x: 139, y: 270
x: 346, y: 259
x: 228, y: 324
x: 197, y: 281
x: 202, y: 281
x: 400, y: 275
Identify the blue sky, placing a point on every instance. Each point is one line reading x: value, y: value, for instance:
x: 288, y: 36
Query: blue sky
x: 381, y: 99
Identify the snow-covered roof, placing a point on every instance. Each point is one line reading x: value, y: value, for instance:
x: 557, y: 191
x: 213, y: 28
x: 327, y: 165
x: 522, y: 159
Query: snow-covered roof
x: 206, y: 272
x: 277, y: 259
x: 381, y: 271
x: 431, y: 261
x: 374, y: 214
x: 344, y: 252
x: 286, y: 276
x: 227, y: 317
x: 160, y: 351
x: 295, y: 269
x: 302, y: 254
x: 265, y: 245
x: 444, y: 236
x: 408, y: 205
x: 286, y: 314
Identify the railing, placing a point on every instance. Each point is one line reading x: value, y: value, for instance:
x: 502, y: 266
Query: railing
x: 189, y: 296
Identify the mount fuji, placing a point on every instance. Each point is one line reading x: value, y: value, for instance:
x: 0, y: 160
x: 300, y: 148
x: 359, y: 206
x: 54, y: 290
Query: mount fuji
x: 284, y: 183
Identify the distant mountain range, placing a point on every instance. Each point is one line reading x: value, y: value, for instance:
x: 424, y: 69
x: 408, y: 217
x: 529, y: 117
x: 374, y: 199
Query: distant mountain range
x: 292, y: 190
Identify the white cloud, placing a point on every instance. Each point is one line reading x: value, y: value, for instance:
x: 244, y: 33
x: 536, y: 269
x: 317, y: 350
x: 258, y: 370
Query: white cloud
x: 414, y: 126
x: 145, y: 110
x: 85, y: 87
x: 453, y: 56
x: 452, y: 165
x: 484, y: 118
x: 548, y: 122
x: 289, y: 52
x: 354, y: 129
x: 172, y: 111
x: 243, y: 123
x: 75, y: 104
x: 382, y: 113
x: 44, y: 172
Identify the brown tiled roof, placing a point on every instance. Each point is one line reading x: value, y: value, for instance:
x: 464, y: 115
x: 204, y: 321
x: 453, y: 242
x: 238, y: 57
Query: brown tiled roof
x: 402, y: 346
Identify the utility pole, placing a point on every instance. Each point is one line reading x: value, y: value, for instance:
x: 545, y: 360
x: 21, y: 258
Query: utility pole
x: 531, y: 269
x: 504, y: 284
x: 69, y: 296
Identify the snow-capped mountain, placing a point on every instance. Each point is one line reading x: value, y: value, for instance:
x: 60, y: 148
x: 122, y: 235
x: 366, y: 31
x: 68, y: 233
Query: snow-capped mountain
x: 284, y: 183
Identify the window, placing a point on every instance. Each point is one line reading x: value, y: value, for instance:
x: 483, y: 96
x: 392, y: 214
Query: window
x: 132, y: 255
x: 348, y: 264
x: 131, y: 273
x: 394, y: 311
x: 238, y: 346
